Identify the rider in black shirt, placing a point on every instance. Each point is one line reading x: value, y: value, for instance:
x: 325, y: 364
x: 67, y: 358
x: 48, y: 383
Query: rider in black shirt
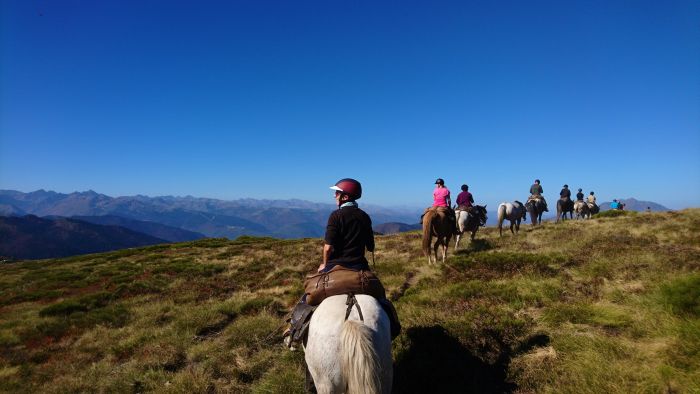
x: 565, y: 193
x: 349, y: 230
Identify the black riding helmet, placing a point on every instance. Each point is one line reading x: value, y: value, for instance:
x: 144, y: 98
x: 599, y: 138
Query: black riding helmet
x: 465, y: 188
x: 439, y: 181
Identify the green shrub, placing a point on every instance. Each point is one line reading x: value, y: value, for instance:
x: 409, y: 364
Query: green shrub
x: 685, y: 352
x: 487, y: 265
x: 82, y: 304
x: 683, y: 295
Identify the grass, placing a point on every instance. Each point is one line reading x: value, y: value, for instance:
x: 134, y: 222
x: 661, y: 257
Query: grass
x: 603, y: 305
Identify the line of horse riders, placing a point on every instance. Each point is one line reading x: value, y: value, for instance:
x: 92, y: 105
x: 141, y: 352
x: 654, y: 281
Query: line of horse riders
x: 444, y: 221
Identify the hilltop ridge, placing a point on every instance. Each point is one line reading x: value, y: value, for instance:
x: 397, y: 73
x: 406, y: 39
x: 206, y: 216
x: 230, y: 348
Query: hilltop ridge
x: 610, y: 304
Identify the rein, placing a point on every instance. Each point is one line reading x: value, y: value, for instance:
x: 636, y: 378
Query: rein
x: 350, y: 302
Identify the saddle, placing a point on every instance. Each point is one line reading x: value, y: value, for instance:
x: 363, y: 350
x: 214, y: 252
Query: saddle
x: 534, y: 197
x: 464, y: 208
x: 339, y: 280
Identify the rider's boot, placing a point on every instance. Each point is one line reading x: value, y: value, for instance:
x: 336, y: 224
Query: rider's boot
x: 298, y: 323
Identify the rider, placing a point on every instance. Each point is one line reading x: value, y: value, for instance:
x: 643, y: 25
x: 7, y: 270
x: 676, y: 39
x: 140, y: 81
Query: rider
x: 615, y: 204
x: 442, y: 200
x: 591, y: 198
x: 579, y: 195
x: 536, y: 193
x: 465, y: 198
x: 348, y: 234
x: 565, y: 193
x: 349, y: 230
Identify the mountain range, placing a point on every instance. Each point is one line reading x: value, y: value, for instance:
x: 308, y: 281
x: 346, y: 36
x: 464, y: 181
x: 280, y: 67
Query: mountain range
x: 210, y: 217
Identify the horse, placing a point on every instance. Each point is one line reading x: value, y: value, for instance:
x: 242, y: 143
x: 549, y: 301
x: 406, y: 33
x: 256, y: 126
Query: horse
x: 348, y: 349
x: 564, y: 206
x: 582, y: 210
x: 535, y: 207
x: 470, y: 221
x: 436, y: 223
x: 593, y: 208
x: 515, y: 212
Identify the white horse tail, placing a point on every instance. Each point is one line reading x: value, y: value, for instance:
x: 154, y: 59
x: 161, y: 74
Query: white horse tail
x: 359, y: 362
x: 501, y: 212
x: 501, y: 217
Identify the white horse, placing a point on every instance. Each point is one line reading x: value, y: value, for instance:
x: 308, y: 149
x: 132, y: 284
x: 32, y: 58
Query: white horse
x: 469, y: 221
x: 515, y: 212
x: 582, y: 210
x: 350, y: 356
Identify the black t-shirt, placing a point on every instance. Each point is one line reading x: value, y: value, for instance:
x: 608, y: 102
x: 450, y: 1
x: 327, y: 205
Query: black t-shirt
x: 565, y: 193
x: 579, y: 196
x: 349, y: 231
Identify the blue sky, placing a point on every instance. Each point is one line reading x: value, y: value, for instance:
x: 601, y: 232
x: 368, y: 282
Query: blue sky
x: 279, y: 99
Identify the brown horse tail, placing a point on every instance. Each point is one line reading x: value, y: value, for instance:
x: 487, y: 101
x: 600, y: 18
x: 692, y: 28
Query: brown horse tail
x: 427, y: 219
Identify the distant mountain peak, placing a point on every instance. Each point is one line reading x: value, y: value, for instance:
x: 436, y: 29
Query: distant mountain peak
x: 632, y: 204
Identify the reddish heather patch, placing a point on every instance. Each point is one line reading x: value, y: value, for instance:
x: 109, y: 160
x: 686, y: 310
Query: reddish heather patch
x: 40, y: 342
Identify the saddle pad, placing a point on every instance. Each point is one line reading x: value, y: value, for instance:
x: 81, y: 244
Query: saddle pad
x: 341, y: 280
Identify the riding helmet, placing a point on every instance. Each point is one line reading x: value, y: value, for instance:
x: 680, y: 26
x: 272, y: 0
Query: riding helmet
x: 465, y: 188
x: 580, y: 190
x: 537, y: 181
x: 439, y: 181
x: 566, y: 186
x: 349, y: 187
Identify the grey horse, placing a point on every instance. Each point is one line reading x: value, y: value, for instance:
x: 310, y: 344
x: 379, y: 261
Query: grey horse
x: 515, y: 212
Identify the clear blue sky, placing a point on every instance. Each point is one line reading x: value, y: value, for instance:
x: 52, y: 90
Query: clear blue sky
x: 279, y: 99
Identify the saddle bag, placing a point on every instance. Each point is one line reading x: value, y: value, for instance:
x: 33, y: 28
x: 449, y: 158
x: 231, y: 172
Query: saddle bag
x: 341, y: 280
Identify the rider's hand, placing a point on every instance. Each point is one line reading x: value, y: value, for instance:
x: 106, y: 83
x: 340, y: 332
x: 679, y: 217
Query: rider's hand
x: 321, y: 267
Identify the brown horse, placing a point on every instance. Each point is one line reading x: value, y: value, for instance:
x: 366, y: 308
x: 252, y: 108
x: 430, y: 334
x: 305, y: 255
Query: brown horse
x: 436, y: 223
x: 565, y: 205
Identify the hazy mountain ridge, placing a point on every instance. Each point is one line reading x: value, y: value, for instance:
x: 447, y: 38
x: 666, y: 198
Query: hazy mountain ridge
x: 157, y: 230
x: 211, y: 217
x: 32, y: 237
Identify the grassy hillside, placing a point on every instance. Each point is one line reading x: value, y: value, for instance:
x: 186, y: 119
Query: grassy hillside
x: 607, y: 305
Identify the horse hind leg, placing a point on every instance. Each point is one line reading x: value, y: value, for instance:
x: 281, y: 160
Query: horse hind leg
x: 435, y: 250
